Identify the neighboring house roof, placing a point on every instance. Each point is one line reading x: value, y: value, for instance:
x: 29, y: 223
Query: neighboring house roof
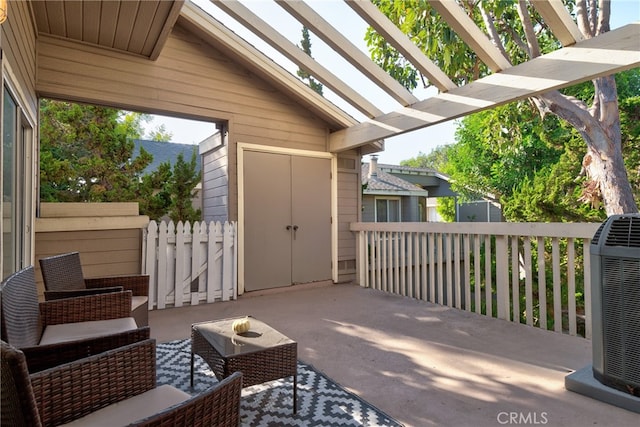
x: 165, y: 152
x: 395, y: 179
x: 385, y: 183
x: 410, y: 170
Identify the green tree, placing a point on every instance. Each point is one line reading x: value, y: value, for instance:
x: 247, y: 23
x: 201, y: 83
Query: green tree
x: 436, y: 159
x: 157, y: 202
x: 86, y: 154
x: 304, y: 74
x: 159, y: 133
x: 180, y: 187
x: 496, y: 149
x: 521, y: 34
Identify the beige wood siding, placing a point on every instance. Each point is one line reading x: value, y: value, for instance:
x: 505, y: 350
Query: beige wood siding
x: 102, y: 252
x: 348, y: 212
x: 18, y: 73
x: 107, y: 235
x: 19, y: 55
x: 194, y: 80
x: 189, y: 79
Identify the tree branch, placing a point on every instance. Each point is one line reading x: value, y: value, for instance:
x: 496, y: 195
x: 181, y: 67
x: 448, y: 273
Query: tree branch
x: 532, y: 41
x: 582, y: 16
x: 605, y: 13
x: 489, y: 22
x: 573, y: 111
x: 593, y: 16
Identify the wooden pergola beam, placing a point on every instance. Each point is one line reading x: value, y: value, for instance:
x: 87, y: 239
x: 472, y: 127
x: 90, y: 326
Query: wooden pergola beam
x: 271, y: 36
x: 399, y: 40
x: 350, y: 52
x: 609, y: 53
x: 470, y: 33
x: 559, y: 20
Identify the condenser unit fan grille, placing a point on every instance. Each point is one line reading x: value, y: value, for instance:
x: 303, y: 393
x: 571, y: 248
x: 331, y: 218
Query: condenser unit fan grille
x: 625, y: 231
x: 621, y: 319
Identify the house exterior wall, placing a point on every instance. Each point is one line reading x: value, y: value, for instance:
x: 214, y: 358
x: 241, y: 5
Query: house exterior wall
x: 215, y: 180
x: 410, y: 208
x: 107, y: 235
x: 349, y: 208
x: 479, y: 211
x: 19, y: 54
x: 368, y: 208
x: 18, y: 75
x: 192, y: 79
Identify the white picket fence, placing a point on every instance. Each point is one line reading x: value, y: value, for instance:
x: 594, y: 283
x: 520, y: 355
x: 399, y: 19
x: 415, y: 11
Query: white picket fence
x: 190, y: 265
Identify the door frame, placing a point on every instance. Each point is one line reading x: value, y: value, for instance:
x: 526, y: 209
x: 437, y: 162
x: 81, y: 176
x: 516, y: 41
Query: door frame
x: 242, y: 147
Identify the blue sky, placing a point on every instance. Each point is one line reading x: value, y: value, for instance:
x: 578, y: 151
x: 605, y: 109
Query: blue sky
x: 341, y: 16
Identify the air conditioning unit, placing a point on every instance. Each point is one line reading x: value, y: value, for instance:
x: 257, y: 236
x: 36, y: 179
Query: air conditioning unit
x: 615, y: 294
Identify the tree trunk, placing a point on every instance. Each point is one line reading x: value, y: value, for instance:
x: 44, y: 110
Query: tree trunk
x: 603, y: 163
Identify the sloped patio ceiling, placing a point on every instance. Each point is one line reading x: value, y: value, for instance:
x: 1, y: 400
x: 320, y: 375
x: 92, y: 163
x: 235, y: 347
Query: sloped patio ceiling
x: 141, y: 27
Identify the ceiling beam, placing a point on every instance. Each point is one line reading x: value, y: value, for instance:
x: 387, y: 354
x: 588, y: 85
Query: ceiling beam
x: 469, y: 32
x: 559, y: 20
x: 166, y: 29
x: 270, y: 35
x: 606, y: 54
x: 350, y: 52
x: 399, y: 40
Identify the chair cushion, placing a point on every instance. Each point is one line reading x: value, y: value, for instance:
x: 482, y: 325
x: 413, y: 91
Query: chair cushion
x: 133, y: 409
x: 137, y: 301
x: 75, y: 331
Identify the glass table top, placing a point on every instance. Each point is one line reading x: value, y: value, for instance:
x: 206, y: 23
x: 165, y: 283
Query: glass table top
x: 220, y: 334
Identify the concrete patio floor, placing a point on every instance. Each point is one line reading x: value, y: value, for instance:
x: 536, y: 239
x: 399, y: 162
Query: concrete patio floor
x: 423, y: 364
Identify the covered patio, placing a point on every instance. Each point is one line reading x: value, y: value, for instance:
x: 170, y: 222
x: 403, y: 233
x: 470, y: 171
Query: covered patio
x: 421, y: 363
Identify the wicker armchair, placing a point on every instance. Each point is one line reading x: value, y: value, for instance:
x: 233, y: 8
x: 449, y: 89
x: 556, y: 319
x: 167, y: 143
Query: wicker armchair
x: 54, y: 332
x: 86, y: 391
x: 63, y: 278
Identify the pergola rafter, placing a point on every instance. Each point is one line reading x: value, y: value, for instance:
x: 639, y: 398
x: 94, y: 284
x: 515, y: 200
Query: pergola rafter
x: 606, y: 54
x: 270, y: 35
x: 579, y: 60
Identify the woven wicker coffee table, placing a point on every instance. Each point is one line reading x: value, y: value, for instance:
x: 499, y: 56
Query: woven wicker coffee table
x: 262, y: 354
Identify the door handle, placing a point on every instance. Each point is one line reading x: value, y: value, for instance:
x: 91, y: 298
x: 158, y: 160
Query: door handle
x: 294, y: 227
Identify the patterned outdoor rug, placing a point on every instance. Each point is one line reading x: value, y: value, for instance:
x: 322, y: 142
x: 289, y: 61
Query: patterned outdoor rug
x: 321, y: 402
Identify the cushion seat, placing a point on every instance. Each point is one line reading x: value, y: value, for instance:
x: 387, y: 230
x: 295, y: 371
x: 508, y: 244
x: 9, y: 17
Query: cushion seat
x: 138, y: 301
x: 66, y: 332
x: 133, y: 409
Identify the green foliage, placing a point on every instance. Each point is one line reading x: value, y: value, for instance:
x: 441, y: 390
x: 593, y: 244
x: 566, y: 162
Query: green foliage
x: 630, y: 125
x: 436, y: 159
x: 304, y: 74
x: 426, y: 28
x: 496, y: 149
x: 183, y: 180
x: 158, y: 200
x: 159, y: 133
x: 86, y: 154
x: 446, y: 208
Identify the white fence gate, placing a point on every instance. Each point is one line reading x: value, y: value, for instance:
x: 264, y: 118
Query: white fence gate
x: 190, y: 265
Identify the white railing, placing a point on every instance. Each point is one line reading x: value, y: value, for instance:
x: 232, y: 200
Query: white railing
x: 534, y: 273
x: 190, y: 265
